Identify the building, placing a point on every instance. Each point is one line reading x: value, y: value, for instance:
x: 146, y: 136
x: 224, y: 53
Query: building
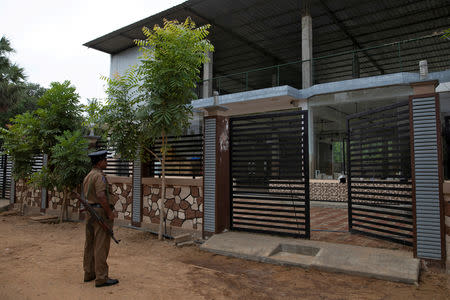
x: 366, y: 85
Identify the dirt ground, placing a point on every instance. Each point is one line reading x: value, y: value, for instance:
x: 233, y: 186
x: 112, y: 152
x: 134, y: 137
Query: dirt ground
x: 44, y: 261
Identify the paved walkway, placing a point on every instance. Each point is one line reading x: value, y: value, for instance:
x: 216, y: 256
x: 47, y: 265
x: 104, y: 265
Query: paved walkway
x: 364, y: 261
x: 329, y: 223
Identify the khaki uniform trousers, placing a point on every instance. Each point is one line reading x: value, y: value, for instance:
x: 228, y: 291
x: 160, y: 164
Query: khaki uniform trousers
x: 96, y: 248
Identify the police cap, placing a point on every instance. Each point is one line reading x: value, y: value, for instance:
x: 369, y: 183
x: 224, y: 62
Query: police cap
x: 97, y: 156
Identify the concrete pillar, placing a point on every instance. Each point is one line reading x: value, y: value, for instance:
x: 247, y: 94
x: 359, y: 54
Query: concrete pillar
x: 216, y: 174
x: 207, y: 77
x: 307, y: 46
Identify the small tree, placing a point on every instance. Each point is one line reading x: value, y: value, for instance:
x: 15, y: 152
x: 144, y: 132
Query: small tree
x: 69, y: 164
x: 53, y: 129
x: 152, y: 100
x: 20, y: 143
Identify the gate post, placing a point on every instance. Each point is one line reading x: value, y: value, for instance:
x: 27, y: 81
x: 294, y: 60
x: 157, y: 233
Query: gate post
x: 216, y: 175
x: 136, y: 211
x: 427, y: 173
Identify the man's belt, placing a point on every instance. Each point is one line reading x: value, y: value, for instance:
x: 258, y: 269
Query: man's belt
x: 98, y: 205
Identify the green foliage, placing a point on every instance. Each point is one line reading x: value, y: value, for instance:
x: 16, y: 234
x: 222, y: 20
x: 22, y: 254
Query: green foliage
x: 153, y: 99
x: 21, y: 144
x: 11, y: 76
x: 27, y: 101
x: 92, y: 110
x: 123, y: 116
x: 69, y: 161
x: 53, y: 128
x: 170, y: 68
x: 58, y: 111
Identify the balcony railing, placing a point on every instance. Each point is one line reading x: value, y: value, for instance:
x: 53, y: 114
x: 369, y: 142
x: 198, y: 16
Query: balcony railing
x: 395, y: 57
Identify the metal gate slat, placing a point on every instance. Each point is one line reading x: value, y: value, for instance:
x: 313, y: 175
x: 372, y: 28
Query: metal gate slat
x: 269, y: 173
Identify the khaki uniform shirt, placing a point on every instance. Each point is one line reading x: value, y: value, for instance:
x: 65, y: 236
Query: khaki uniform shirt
x: 93, y: 183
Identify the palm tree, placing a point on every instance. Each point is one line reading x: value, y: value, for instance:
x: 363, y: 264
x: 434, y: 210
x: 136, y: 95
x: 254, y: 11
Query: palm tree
x: 11, y: 76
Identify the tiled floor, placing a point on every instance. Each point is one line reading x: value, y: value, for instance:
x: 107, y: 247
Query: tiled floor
x: 330, y: 224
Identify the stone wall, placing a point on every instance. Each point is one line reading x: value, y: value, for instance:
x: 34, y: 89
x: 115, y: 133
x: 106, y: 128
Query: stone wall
x: 55, y: 201
x: 183, y: 207
x: 121, y: 191
x: 28, y: 195
x: 184, y: 204
x: 327, y: 190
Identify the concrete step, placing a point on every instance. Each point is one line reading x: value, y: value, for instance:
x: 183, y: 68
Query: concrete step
x: 392, y: 265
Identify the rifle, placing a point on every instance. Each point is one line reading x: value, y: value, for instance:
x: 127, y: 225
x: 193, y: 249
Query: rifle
x: 99, y: 219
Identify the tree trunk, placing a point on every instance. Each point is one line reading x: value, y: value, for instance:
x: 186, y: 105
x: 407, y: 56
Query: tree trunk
x: 63, y: 206
x: 23, y: 197
x: 163, y: 187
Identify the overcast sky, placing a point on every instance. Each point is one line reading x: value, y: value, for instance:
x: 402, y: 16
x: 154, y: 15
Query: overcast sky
x: 48, y: 36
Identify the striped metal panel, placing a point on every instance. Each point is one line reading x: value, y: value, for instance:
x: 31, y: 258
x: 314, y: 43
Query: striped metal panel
x: 379, y: 173
x: 137, y: 176
x: 5, y: 176
x: 13, y: 187
x: 210, y: 176
x: 269, y: 173
x: 427, y: 178
x: 44, y: 190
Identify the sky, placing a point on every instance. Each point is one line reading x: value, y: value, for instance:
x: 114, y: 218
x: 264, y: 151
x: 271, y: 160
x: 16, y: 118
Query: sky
x: 48, y: 37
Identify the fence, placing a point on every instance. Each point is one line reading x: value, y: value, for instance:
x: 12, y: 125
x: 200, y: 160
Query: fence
x: 401, y: 56
x: 184, y: 158
x: 5, y: 176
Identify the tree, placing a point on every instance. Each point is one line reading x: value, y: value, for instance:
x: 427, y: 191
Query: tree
x: 53, y: 129
x: 152, y: 100
x: 58, y: 110
x: 11, y: 76
x: 27, y: 101
x: 69, y: 164
x: 20, y: 143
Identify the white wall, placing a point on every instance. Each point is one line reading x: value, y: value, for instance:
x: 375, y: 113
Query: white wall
x: 122, y: 61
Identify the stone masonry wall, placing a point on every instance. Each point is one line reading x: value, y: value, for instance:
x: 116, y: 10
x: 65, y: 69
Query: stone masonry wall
x: 184, y: 205
x: 55, y: 200
x: 28, y: 194
x: 327, y: 190
x: 122, y: 200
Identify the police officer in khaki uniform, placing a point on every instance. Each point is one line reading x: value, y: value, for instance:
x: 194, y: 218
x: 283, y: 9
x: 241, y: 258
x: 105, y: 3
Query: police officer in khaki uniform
x: 97, y: 244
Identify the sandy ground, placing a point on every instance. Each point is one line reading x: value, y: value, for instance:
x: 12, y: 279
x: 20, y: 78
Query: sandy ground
x: 44, y: 261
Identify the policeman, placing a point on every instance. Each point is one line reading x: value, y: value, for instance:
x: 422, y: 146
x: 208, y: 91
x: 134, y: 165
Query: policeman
x: 97, y: 244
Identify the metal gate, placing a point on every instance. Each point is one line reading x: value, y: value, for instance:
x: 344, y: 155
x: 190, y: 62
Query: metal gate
x: 379, y: 173
x: 5, y: 176
x: 269, y: 173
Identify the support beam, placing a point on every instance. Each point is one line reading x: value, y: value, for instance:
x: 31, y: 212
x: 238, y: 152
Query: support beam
x: 307, y: 46
x: 238, y: 37
x: 344, y: 29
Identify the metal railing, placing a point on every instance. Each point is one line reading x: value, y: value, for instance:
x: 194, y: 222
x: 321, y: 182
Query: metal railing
x: 184, y: 158
x: 388, y: 58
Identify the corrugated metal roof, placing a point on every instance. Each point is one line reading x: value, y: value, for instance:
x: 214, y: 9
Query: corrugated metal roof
x: 259, y: 33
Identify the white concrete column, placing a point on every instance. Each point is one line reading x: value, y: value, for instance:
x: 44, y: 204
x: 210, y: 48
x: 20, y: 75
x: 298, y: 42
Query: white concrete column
x: 307, y: 46
x: 207, y: 76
